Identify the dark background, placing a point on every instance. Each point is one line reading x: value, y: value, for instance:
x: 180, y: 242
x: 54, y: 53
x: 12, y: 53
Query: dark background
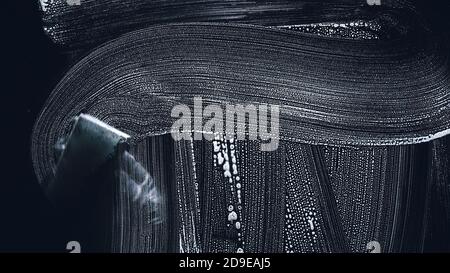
x: 32, y: 66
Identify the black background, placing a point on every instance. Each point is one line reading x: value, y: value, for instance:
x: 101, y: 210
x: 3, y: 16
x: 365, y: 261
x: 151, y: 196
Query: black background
x: 32, y: 66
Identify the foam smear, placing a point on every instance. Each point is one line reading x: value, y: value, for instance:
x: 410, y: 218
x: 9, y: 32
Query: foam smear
x: 140, y: 184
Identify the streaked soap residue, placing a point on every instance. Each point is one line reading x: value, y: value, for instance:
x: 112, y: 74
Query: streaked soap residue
x: 225, y: 157
x: 353, y: 30
x: 139, y: 181
x: 96, y: 21
x: 363, y: 102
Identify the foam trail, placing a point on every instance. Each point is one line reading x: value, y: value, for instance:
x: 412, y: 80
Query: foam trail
x: 343, y: 104
x: 96, y: 21
x: 365, y: 111
x: 141, y: 184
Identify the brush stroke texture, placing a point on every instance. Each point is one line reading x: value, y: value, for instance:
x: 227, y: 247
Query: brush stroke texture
x: 364, y: 113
